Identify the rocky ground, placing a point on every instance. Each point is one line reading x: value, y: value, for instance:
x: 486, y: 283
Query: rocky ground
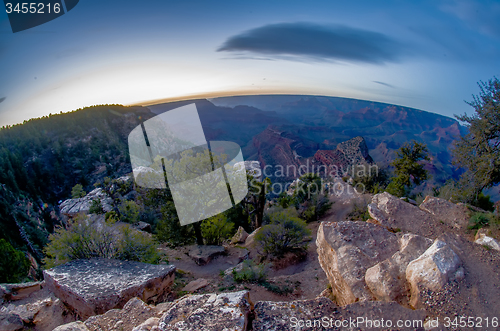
x: 407, y: 262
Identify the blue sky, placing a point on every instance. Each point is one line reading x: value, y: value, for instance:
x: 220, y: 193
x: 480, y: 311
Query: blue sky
x: 423, y: 54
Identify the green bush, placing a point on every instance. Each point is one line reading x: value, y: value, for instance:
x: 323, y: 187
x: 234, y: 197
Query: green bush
x: 129, y: 212
x: 251, y: 272
x: 96, y: 207
x: 82, y: 239
x: 14, y: 265
x: 359, y: 213
x: 216, y: 229
x: 169, y: 230
x: 478, y: 220
x: 77, y: 191
x: 285, y: 234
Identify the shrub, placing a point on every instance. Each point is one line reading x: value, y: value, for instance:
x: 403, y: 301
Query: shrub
x: 478, y: 220
x: 129, y: 212
x: 251, y: 272
x: 96, y: 207
x: 77, y: 191
x: 169, y: 230
x: 285, y: 234
x: 83, y: 239
x: 14, y: 265
x: 216, y: 229
x: 359, y: 213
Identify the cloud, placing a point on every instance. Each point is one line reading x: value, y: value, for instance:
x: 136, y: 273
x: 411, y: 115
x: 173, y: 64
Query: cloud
x: 316, y: 42
x: 480, y: 15
x: 385, y: 84
x: 2, y: 99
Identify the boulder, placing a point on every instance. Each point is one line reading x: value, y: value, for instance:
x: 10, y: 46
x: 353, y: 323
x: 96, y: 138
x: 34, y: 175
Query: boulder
x: 10, y: 321
x: 240, y: 236
x: 12, y: 292
x: 270, y: 315
x: 202, y: 254
x: 143, y: 226
x: 482, y: 232
x: 387, y: 279
x: 250, y: 241
x: 72, y: 207
x: 487, y: 241
x: 148, y: 325
x: 208, y: 312
x: 133, y: 313
x: 73, y: 326
x: 432, y: 270
x: 95, y: 286
x: 396, y: 215
x: 195, y: 285
x: 346, y: 250
x: 456, y: 215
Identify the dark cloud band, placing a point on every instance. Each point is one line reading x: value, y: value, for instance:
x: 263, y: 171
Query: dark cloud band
x: 316, y: 41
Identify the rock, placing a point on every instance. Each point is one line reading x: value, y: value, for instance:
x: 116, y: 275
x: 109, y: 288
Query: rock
x: 73, y: 207
x: 250, y: 241
x: 432, y: 270
x: 10, y: 321
x: 208, y: 312
x: 237, y: 268
x: 202, y: 254
x: 95, y: 286
x: 346, y: 250
x: 252, y: 168
x: 133, y: 313
x: 387, y: 279
x: 240, y: 236
x: 147, y: 325
x: 12, y: 292
x: 413, y: 202
x: 487, y: 241
x: 482, y: 232
x: 143, y: 226
x: 74, y: 326
x: 456, y: 215
x: 396, y: 214
x: 195, y: 285
x: 270, y: 315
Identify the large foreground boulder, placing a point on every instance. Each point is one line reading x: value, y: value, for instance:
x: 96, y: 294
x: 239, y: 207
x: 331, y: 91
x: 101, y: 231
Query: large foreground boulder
x: 398, y: 215
x: 387, y: 279
x: 95, y: 286
x: 208, y: 312
x: 346, y: 250
x: 432, y: 270
x: 456, y: 215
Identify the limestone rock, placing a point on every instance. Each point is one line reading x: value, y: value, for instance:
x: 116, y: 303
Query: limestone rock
x: 73, y: 326
x: 387, y: 279
x: 208, y: 312
x: 133, y: 313
x: 202, y: 254
x: 250, y: 241
x: 72, y: 207
x: 396, y: 214
x: 456, y: 215
x: 95, y: 286
x: 346, y: 250
x: 432, y: 270
x: 11, y: 292
x: 487, y: 241
x: 271, y: 316
x: 148, y: 325
x: 10, y: 321
x: 240, y: 236
x: 482, y: 232
x: 143, y: 226
x: 195, y: 285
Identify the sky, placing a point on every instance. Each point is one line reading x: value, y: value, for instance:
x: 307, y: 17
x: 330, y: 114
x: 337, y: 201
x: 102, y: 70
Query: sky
x: 428, y: 55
